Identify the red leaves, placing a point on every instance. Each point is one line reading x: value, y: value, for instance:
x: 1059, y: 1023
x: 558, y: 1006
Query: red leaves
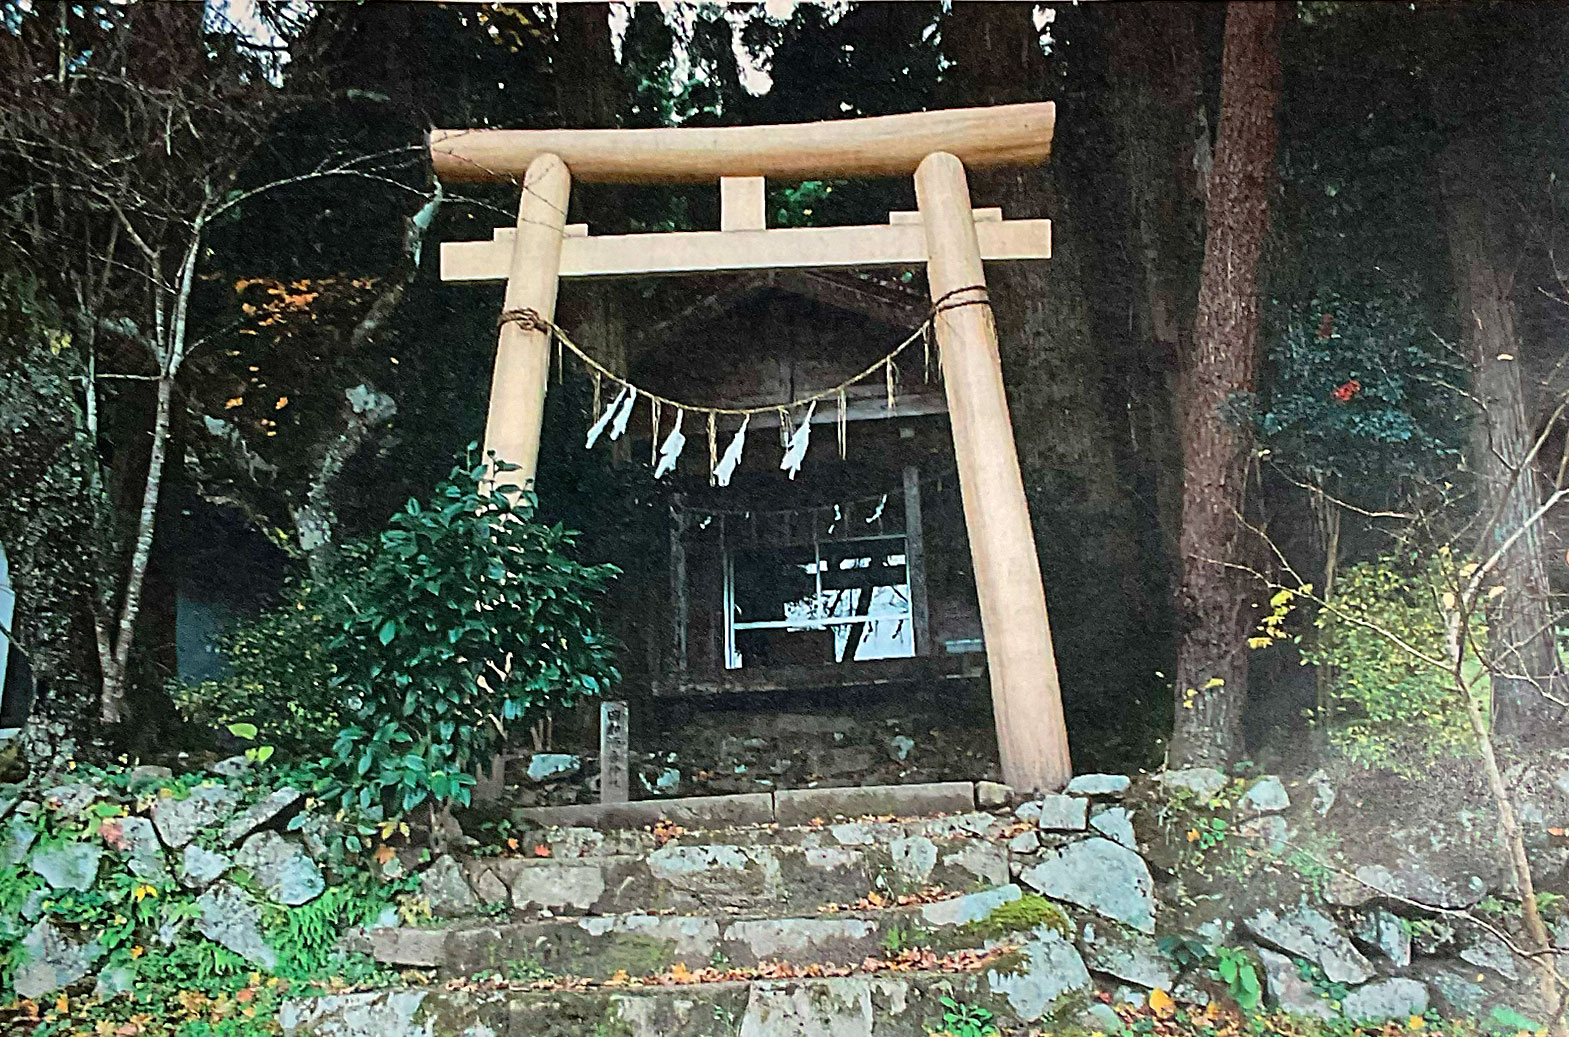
x: 1345, y: 391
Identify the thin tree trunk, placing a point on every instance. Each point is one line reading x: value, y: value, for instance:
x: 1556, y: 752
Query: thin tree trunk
x: 1219, y: 373
x: 1545, y: 965
x: 1520, y: 620
x: 115, y: 657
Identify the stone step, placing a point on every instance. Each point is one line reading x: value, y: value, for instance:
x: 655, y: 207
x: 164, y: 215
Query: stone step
x: 717, y: 877
x: 599, y: 946
x: 580, y: 841
x: 786, y: 806
x: 885, y: 1004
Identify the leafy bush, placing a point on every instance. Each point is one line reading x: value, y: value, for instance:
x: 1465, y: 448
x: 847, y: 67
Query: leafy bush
x: 965, y: 1020
x: 1234, y: 967
x: 469, y: 617
x: 1357, y: 388
x: 280, y: 676
x: 1387, y: 706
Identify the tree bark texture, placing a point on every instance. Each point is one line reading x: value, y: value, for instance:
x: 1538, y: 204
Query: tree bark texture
x: 1156, y: 107
x: 1523, y: 656
x: 1056, y: 367
x: 1218, y: 375
x: 115, y: 649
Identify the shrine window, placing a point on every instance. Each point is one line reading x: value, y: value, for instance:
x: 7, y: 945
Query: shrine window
x: 834, y: 601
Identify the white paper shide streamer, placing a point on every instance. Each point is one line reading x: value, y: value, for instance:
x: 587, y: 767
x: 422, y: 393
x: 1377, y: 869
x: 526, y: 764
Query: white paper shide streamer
x: 620, y: 424
x: 671, y: 449
x: 795, y: 454
x: 604, y: 419
x: 727, y: 464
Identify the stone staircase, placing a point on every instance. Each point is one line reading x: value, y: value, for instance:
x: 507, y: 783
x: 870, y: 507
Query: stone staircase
x: 852, y: 917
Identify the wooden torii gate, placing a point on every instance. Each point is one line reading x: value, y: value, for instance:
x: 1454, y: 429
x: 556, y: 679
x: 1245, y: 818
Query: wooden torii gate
x: 947, y: 234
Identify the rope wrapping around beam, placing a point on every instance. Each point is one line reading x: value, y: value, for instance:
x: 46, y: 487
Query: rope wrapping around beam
x: 531, y: 320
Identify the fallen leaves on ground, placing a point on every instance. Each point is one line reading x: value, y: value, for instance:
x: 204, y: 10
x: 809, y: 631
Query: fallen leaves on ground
x: 664, y: 831
x: 680, y: 975
x: 876, y: 901
x: 1164, y: 1016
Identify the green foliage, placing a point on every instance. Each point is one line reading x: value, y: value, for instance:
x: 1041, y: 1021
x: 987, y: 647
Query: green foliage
x: 469, y: 618
x: 965, y: 1020
x: 280, y: 675
x: 1209, y: 832
x: 1234, y: 967
x: 1356, y: 387
x: 182, y: 982
x: 1388, y: 707
x: 1322, y: 985
x: 1508, y: 1021
x: 900, y: 938
x: 1185, y: 952
x: 1021, y: 915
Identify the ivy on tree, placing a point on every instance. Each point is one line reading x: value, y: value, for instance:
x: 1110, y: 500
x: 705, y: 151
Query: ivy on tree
x: 471, y: 617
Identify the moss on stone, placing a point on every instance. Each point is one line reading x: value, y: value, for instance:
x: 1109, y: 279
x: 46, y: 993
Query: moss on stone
x: 1022, y: 915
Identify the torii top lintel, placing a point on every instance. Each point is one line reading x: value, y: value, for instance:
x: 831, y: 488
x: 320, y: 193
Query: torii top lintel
x: 887, y: 145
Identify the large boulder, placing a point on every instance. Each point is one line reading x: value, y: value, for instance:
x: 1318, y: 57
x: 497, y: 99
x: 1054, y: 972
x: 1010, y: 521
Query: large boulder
x: 200, y: 867
x: 1200, y: 784
x: 1266, y: 796
x: 136, y: 838
x: 1051, y: 969
x: 1384, y: 931
x: 71, y: 799
x: 971, y: 907
x: 1288, y: 991
x: 68, y: 865
x: 446, y: 890
x: 231, y: 918
x: 258, y: 814
x: 1110, y: 949
x: 1060, y: 813
x: 1116, y: 824
x: 51, y: 960
x: 282, y: 868
x: 178, y: 820
x: 1387, y: 999
x: 1100, y: 875
x: 1098, y: 785
x: 1308, y: 933
x: 17, y: 837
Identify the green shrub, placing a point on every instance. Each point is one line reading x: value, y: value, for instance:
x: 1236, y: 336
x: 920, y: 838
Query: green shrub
x: 280, y: 676
x: 1387, y: 707
x: 469, y: 618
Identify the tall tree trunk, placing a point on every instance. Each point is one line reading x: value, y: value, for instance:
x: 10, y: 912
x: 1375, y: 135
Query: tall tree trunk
x: 114, y: 644
x: 1520, y: 620
x: 1056, y: 364
x: 1218, y: 374
x: 1156, y: 106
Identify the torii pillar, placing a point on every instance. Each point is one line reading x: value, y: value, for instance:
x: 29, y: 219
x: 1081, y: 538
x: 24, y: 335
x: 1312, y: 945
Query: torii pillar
x: 951, y: 237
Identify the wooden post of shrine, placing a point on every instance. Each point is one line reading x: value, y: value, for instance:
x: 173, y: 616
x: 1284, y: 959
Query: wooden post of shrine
x: 1032, y: 736
x: 522, y: 372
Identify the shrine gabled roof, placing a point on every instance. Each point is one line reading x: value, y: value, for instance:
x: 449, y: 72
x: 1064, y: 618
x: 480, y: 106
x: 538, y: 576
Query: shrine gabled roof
x: 881, y: 299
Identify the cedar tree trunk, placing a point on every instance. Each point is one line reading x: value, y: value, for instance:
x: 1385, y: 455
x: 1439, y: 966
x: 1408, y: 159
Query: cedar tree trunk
x: 1218, y: 374
x: 1520, y: 620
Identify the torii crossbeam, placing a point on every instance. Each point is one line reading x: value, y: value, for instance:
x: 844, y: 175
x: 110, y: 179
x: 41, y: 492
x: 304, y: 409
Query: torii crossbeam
x: 946, y: 233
